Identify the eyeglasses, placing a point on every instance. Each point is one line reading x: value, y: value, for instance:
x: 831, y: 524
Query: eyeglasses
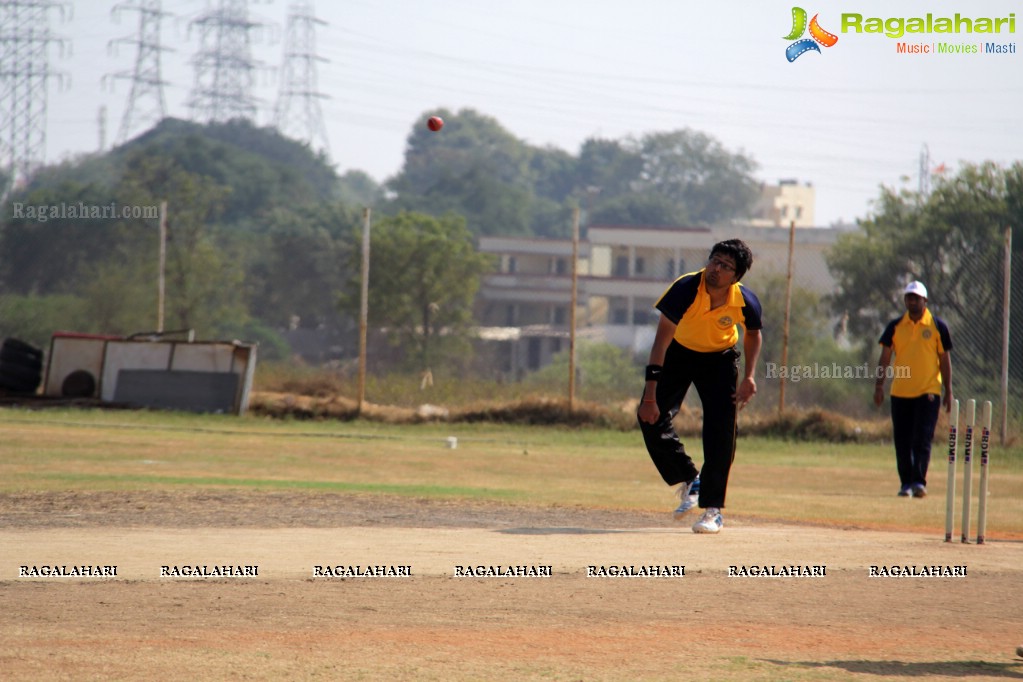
x: 721, y: 265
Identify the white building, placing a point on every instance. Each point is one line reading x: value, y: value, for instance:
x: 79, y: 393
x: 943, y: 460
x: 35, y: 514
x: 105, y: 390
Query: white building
x: 782, y: 204
x: 621, y: 272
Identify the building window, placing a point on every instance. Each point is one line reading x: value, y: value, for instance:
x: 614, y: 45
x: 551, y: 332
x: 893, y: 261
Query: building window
x: 640, y: 266
x: 622, y: 266
x: 560, y: 266
x: 509, y: 316
x: 619, y: 317
x: 559, y: 315
x: 533, y: 353
x: 512, y: 264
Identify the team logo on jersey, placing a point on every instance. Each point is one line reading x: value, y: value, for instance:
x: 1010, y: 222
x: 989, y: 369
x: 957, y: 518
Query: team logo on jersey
x: 725, y: 322
x: 926, y: 334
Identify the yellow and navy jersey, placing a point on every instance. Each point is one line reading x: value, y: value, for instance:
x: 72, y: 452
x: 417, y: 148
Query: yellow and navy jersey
x: 687, y: 304
x: 917, y: 346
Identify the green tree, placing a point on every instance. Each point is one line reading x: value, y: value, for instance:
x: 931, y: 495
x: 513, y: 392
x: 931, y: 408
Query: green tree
x: 555, y: 173
x: 640, y: 209
x: 937, y: 239
x: 262, y: 168
x: 555, y: 191
x: 6, y: 180
x: 609, y: 165
x: 42, y: 253
x: 357, y: 188
x: 695, y: 171
x: 811, y: 341
x: 228, y: 188
x: 808, y: 319
x: 298, y: 269
x: 203, y: 282
x: 603, y: 370
x: 473, y: 167
x: 503, y: 186
x: 120, y: 294
x: 468, y: 141
x: 424, y: 275
x: 681, y: 177
x: 952, y: 240
x: 33, y: 319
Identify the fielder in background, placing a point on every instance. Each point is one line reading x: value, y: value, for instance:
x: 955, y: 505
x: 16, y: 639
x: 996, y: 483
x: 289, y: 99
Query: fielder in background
x: 921, y: 345
x: 696, y: 345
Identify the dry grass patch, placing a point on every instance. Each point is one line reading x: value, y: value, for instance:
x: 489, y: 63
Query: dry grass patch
x: 795, y: 424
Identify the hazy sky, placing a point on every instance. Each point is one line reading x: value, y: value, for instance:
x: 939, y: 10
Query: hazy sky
x: 556, y: 72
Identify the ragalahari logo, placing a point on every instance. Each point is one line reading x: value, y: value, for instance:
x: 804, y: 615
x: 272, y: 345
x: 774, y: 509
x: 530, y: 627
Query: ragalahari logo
x: 818, y: 36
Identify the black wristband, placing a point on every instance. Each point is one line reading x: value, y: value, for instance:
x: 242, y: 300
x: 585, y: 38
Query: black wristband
x: 653, y: 372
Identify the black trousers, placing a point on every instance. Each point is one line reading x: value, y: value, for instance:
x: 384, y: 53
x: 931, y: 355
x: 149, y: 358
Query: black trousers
x: 715, y: 376
x: 913, y: 421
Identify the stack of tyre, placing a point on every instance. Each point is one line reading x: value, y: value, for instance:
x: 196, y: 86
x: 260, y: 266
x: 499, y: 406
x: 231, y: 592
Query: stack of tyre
x: 21, y: 367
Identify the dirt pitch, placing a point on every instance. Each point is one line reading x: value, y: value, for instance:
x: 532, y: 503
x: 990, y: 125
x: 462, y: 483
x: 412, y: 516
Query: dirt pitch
x: 286, y: 624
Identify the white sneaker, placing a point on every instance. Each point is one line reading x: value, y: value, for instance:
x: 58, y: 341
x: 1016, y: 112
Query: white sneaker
x: 710, y: 522
x: 686, y: 501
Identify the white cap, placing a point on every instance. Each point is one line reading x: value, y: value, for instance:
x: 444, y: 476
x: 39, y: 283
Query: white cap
x: 915, y: 287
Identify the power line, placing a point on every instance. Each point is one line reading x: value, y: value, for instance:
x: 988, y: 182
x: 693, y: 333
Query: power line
x: 25, y: 73
x: 224, y: 64
x: 101, y: 125
x: 146, y: 104
x: 297, y: 113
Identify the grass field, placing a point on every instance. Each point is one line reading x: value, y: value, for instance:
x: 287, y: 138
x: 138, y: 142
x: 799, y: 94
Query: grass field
x: 145, y: 489
x: 772, y: 479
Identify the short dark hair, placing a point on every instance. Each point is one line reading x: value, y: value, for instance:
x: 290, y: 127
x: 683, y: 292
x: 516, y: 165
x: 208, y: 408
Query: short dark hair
x: 737, y: 249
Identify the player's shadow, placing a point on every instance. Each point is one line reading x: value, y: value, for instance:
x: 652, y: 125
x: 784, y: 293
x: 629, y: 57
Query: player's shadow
x: 1008, y: 671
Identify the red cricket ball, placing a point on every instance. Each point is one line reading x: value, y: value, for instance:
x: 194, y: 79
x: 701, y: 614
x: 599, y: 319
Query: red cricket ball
x: 435, y: 123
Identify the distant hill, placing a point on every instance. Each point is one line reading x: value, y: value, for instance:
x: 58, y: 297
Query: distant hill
x: 263, y: 168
